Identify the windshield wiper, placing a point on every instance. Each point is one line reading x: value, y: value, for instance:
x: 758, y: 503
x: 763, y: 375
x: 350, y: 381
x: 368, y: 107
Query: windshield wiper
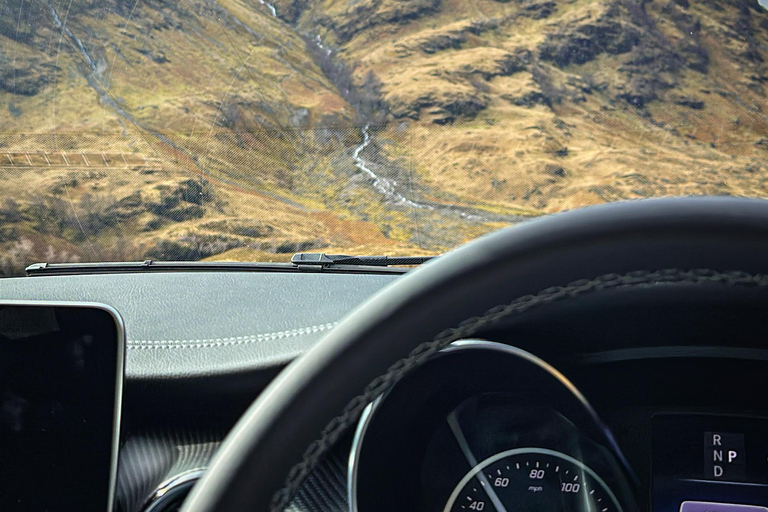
x: 320, y: 259
x: 301, y: 262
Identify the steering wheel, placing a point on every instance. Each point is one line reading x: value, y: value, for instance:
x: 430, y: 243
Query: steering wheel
x: 710, y: 243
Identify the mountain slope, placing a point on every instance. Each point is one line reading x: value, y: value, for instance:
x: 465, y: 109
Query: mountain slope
x: 552, y: 105
x: 113, y: 99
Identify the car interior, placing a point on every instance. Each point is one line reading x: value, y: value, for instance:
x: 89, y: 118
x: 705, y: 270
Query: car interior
x: 610, y: 358
x: 383, y: 256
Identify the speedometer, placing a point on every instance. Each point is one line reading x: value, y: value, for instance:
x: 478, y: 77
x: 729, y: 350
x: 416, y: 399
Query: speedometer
x: 532, y: 479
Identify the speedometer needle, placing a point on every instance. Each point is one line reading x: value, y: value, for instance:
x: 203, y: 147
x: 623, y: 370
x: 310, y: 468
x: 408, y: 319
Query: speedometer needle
x: 453, y: 423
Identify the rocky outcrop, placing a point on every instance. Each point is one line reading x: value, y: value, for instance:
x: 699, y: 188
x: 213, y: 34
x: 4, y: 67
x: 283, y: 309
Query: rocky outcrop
x: 452, y: 106
x: 24, y: 76
x: 588, y: 41
x: 19, y: 19
x: 689, y: 101
x: 511, y: 63
x: 456, y: 37
x: 538, y: 10
x: 180, y: 202
x: 289, y: 10
x: 486, y: 63
x: 442, y: 108
x: 529, y: 99
x: 401, y: 108
x: 463, y: 88
x: 439, y: 42
x: 370, y: 13
x: 177, y: 202
x: 24, y: 81
x: 156, y: 56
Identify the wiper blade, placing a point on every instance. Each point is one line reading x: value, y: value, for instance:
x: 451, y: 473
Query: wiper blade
x: 320, y: 259
x: 299, y: 263
x: 122, y: 267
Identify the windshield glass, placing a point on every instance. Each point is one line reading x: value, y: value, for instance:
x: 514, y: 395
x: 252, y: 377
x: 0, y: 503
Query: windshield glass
x: 248, y: 130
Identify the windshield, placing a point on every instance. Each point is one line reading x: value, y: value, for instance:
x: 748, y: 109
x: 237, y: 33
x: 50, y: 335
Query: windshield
x: 247, y: 130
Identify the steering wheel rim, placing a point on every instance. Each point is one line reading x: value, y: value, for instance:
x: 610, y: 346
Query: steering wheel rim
x: 709, y: 241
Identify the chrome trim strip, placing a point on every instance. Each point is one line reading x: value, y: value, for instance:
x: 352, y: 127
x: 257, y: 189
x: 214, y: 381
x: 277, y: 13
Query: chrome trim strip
x: 527, y: 356
x: 119, y: 375
x: 170, y: 487
x: 473, y: 344
x: 354, y: 453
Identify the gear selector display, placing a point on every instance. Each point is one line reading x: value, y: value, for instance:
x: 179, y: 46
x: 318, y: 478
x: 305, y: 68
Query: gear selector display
x: 724, y: 456
x: 708, y: 463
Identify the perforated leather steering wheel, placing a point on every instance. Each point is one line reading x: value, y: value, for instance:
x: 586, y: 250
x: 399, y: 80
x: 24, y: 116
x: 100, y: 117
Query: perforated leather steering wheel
x: 678, y: 243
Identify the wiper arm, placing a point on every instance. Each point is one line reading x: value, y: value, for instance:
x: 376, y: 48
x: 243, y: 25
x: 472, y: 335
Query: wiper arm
x: 319, y: 259
x: 127, y: 267
x: 302, y: 262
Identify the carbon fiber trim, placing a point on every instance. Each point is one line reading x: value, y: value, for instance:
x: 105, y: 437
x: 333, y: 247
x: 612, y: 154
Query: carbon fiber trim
x: 148, y: 460
x: 325, y: 489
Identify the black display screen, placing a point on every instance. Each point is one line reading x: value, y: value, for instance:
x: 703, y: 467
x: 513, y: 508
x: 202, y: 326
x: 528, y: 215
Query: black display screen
x: 60, y: 381
x: 707, y: 463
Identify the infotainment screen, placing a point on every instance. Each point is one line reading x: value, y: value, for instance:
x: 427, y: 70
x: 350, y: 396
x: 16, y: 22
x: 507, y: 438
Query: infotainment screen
x: 61, y: 369
x: 707, y: 463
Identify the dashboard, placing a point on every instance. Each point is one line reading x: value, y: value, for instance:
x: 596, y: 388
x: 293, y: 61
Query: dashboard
x: 487, y: 426
x: 629, y: 401
x: 620, y: 402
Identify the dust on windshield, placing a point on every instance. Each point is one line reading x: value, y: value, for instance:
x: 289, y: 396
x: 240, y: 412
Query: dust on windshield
x: 249, y: 130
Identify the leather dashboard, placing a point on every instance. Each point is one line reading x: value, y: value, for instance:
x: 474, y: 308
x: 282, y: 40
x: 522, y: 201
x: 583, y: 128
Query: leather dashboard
x: 197, y: 324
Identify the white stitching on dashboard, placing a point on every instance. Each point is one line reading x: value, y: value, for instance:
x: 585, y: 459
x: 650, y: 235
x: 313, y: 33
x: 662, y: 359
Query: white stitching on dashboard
x: 227, y: 341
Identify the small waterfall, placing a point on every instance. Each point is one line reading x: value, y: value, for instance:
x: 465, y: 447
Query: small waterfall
x: 78, y: 42
x: 384, y: 186
x: 270, y: 7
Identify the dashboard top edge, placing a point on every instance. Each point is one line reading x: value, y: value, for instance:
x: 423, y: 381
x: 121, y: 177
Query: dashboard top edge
x: 671, y: 352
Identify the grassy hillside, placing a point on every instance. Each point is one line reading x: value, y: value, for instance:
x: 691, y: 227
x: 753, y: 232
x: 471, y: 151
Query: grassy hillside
x: 551, y: 105
x: 219, y: 129
x: 156, y: 129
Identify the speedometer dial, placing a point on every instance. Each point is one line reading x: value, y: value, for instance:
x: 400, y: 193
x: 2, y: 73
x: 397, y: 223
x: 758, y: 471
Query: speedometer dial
x: 532, y: 479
